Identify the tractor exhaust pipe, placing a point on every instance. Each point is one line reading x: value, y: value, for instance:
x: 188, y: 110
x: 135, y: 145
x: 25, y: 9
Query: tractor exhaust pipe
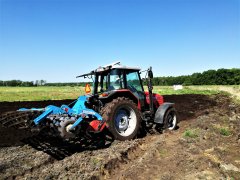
x: 150, y: 88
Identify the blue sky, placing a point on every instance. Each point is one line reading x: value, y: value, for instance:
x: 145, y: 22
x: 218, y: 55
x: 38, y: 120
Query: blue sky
x: 56, y: 40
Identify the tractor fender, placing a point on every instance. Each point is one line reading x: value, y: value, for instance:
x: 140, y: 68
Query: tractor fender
x: 159, y: 115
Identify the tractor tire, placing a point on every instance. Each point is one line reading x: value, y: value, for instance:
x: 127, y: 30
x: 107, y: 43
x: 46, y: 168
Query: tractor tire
x: 122, y: 118
x: 170, y: 119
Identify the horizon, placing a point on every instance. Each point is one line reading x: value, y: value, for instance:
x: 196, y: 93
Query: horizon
x: 91, y: 80
x: 58, y: 40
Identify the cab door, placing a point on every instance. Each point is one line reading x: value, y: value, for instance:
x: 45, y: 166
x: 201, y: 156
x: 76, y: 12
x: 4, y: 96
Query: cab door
x: 133, y: 81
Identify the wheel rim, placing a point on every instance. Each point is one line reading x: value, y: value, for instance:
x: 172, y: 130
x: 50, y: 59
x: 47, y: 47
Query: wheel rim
x: 171, y: 120
x: 125, y: 121
x: 68, y: 127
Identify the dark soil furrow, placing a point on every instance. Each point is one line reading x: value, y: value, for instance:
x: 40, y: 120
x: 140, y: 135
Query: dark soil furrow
x: 205, y: 146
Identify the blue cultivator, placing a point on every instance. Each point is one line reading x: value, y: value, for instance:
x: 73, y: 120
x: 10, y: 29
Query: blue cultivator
x: 77, y: 112
x: 66, y: 121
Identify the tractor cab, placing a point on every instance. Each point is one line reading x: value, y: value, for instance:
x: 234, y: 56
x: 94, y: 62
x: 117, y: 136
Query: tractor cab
x: 114, y: 79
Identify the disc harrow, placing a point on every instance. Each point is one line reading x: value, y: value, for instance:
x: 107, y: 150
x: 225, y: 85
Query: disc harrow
x: 18, y: 119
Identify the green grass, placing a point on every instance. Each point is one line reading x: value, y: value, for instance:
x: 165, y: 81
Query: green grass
x: 67, y: 92
x: 225, y: 131
x: 39, y: 93
x: 231, y: 90
x: 167, y: 90
x: 191, y: 133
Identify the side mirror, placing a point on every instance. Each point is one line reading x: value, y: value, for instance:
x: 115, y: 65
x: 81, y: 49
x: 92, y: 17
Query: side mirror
x: 150, y: 73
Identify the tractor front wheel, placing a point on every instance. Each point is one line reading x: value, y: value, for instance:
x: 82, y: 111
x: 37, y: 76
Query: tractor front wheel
x: 123, y: 118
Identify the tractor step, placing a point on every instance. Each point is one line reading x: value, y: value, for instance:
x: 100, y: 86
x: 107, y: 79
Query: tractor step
x: 18, y: 119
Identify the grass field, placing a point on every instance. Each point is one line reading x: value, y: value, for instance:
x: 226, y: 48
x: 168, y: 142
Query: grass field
x: 39, y: 93
x: 65, y: 92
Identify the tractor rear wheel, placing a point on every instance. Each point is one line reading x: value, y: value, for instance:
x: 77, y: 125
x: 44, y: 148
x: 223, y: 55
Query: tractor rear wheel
x: 122, y: 118
x: 170, y: 119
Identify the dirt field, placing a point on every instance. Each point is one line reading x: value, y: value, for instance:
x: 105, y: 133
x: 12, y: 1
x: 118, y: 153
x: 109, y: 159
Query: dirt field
x: 205, y: 146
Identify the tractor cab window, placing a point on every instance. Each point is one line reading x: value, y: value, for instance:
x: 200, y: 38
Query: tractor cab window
x: 102, y: 85
x: 133, y: 82
x: 115, y: 80
x: 110, y: 80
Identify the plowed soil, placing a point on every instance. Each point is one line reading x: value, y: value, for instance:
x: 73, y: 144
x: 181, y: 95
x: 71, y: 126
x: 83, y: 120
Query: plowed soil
x: 206, y: 145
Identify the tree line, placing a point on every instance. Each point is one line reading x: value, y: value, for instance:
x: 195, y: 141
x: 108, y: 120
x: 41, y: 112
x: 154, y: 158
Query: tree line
x: 210, y: 77
x: 68, y: 84
x: 23, y: 83
x: 20, y: 83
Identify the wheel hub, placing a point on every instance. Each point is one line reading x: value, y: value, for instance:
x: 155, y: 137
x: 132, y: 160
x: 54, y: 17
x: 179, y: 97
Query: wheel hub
x: 123, y: 121
x: 171, y: 121
x: 68, y: 127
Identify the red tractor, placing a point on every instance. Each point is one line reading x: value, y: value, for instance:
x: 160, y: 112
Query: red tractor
x: 118, y: 102
x: 118, y: 95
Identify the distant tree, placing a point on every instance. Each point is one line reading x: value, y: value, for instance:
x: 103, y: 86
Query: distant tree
x: 36, y: 83
x: 42, y: 82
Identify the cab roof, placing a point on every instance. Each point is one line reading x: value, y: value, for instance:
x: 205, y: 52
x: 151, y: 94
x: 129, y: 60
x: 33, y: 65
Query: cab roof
x: 115, y: 65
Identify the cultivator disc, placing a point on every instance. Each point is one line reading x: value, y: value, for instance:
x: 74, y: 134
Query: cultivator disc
x: 18, y: 119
